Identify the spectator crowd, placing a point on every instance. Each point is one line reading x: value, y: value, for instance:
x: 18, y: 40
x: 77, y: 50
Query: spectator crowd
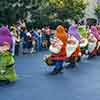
x: 27, y: 41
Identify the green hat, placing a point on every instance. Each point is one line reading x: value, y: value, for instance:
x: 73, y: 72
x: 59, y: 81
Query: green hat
x: 82, y: 30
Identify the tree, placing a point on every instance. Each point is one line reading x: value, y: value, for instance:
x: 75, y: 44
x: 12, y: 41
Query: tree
x: 97, y: 11
x: 40, y: 11
x: 66, y: 8
x: 12, y: 10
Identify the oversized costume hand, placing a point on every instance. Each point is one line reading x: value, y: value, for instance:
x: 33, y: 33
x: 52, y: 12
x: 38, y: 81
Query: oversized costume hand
x: 5, y: 47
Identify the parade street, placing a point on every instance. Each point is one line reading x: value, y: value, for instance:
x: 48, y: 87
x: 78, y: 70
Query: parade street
x: 34, y: 82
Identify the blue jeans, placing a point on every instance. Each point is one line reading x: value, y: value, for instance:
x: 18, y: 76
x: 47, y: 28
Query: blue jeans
x: 58, y: 64
x: 38, y: 44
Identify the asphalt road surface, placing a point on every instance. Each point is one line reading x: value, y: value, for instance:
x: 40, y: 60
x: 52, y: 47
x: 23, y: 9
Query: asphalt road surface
x: 34, y: 82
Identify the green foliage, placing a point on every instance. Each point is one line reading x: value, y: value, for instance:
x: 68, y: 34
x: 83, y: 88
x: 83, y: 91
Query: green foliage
x: 42, y: 11
x: 97, y: 10
x: 12, y: 10
x: 67, y: 8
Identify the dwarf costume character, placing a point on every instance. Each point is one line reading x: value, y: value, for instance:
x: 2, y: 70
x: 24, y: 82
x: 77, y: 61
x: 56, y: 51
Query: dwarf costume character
x: 93, y: 41
x: 7, y: 70
x: 58, y: 50
x: 84, y: 35
x: 98, y: 29
x: 73, y: 47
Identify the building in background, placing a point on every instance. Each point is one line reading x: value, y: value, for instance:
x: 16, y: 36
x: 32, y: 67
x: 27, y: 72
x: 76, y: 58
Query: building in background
x: 90, y: 16
x: 90, y: 10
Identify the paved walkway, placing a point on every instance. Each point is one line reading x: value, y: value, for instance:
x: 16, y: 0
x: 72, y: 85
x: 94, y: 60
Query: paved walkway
x: 35, y: 84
